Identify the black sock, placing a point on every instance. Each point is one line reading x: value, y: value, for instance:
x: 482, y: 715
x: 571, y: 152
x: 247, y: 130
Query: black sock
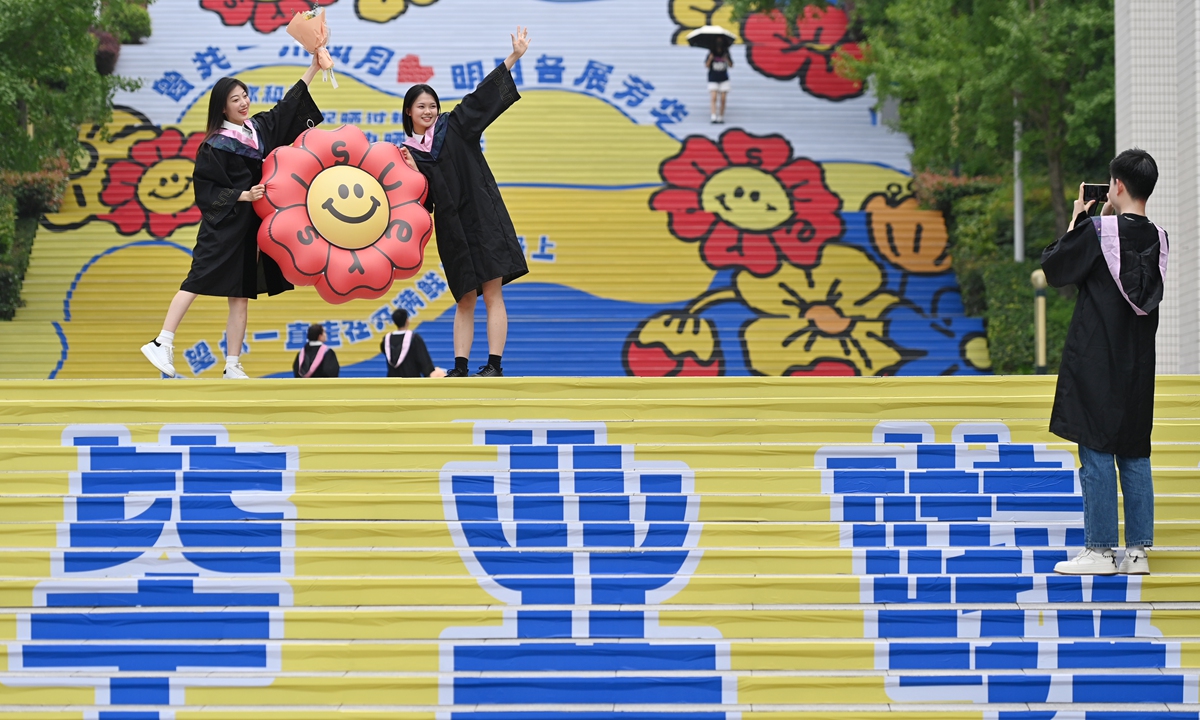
x: 494, y: 361
x: 460, y: 363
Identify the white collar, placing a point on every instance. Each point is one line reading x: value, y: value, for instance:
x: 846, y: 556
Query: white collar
x: 245, y: 129
x: 317, y: 343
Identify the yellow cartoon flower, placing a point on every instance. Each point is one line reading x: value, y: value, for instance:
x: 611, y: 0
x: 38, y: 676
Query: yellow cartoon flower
x: 692, y: 14
x: 382, y: 11
x: 823, y: 320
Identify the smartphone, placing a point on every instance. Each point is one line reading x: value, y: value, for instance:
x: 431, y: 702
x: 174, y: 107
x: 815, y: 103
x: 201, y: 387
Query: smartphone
x: 1099, y: 193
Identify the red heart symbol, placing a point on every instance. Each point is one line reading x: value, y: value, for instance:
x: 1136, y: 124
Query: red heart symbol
x: 412, y: 71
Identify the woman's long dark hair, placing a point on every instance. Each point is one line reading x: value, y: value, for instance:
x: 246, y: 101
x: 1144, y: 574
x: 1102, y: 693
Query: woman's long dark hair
x: 216, y: 103
x: 410, y: 98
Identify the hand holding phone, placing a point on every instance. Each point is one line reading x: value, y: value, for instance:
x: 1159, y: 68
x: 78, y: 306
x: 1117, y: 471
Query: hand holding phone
x: 1097, y: 194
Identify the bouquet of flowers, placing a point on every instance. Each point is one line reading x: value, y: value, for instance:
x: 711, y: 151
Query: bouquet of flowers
x: 309, y: 29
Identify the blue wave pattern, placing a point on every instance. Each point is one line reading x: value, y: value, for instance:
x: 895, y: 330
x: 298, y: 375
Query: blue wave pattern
x: 187, y: 533
x: 982, y: 520
x: 570, y: 530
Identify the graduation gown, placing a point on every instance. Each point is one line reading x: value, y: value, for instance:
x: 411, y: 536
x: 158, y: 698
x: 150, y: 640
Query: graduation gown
x: 226, y: 261
x: 475, y: 236
x: 329, y: 367
x: 1105, y: 394
x: 416, y: 363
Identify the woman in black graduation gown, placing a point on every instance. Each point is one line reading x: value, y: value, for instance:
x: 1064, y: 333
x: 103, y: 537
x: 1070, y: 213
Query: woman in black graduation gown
x: 226, y: 261
x: 476, y: 240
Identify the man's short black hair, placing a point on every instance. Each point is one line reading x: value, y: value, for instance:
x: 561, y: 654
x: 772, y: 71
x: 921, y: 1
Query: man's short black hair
x: 1137, y: 170
x: 314, y: 332
x: 400, y: 317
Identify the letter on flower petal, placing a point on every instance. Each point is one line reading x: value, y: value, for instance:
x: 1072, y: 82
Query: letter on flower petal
x: 291, y: 231
x: 345, y: 146
x: 355, y: 273
x: 401, y: 183
x: 765, y: 153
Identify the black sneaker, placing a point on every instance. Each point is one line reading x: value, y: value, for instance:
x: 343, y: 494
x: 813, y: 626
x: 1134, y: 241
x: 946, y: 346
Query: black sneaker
x: 489, y: 371
x: 455, y: 372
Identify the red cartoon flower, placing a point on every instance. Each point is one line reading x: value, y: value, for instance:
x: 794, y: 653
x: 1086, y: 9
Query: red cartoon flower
x: 153, y: 189
x: 266, y: 16
x: 807, y: 52
x: 343, y: 214
x: 749, y: 202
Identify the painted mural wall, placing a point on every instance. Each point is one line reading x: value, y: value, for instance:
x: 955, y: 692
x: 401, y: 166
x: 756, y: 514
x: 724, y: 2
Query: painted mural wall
x: 784, y: 241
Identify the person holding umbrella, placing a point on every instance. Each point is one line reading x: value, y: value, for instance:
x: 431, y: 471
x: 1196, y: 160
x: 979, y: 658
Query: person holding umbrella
x: 717, y: 40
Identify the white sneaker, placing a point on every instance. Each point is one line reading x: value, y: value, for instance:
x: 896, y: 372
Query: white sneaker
x: 1135, y: 563
x: 235, y: 372
x: 161, y: 357
x: 1089, y: 562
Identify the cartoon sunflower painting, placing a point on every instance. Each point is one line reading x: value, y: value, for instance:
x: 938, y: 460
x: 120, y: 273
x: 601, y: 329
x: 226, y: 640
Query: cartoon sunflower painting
x: 749, y: 203
x: 152, y: 189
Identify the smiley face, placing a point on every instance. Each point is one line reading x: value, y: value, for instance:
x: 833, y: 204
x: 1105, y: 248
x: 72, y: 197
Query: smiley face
x: 747, y: 198
x: 165, y: 187
x: 348, y: 207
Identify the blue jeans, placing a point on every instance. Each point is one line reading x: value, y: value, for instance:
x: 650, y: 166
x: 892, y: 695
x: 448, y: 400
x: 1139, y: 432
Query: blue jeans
x: 1098, y: 478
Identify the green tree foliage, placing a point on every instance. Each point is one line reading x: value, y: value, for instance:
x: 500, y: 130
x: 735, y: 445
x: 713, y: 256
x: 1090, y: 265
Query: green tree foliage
x: 48, y: 80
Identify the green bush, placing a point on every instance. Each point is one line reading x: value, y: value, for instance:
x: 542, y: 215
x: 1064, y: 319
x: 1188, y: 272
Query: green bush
x: 129, y: 21
x: 36, y: 193
x: 10, y: 277
x: 979, y: 218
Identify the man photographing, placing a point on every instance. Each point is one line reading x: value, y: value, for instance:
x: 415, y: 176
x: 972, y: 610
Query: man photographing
x: 1105, y: 395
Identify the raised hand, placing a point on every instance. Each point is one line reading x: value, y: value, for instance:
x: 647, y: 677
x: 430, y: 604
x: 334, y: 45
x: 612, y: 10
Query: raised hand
x: 520, y: 43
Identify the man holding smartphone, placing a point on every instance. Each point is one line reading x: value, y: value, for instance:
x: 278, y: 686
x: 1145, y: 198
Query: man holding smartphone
x: 1105, y: 395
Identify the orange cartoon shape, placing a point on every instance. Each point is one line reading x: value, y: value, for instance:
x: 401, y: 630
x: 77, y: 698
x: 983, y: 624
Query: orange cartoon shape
x: 343, y: 214
x: 909, y: 237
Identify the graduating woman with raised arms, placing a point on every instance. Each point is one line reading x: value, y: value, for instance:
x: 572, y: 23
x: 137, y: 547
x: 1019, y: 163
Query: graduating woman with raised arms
x: 476, y: 240
x: 226, y: 261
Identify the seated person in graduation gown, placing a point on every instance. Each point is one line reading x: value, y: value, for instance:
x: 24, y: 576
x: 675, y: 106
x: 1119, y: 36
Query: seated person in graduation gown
x: 316, y: 360
x: 405, y: 353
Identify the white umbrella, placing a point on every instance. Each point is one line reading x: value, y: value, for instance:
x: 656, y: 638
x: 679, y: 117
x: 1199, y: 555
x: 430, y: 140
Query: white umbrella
x: 710, y: 37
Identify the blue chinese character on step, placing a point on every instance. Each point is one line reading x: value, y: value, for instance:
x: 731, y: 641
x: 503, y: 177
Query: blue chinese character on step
x: 467, y: 76
x: 396, y: 138
x: 199, y: 357
x: 636, y: 90
x: 376, y: 118
x: 297, y: 335
x: 669, y: 112
x: 376, y: 60
x: 381, y: 318
x: 173, y: 85
x: 550, y: 70
x: 166, y: 546
x: 329, y: 116
x: 340, y: 52
x: 252, y: 92
x: 273, y: 93
x: 432, y: 285
x: 568, y: 522
x: 409, y: 301
x: 209, y: 58
x: 594, y: 77
x: 355, y: 331
x: 545, y: 251
x: 352, y: 117
x: 333, y: 333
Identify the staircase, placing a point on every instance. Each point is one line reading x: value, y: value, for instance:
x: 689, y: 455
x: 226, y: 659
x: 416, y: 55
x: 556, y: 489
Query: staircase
x: 665, y: 549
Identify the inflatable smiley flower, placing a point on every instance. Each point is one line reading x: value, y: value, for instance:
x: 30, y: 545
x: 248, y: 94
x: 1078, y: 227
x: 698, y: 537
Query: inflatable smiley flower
x: 824, y: 320
x: 343, y: 214
x: 749, y: 202
x: 152, y: 189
